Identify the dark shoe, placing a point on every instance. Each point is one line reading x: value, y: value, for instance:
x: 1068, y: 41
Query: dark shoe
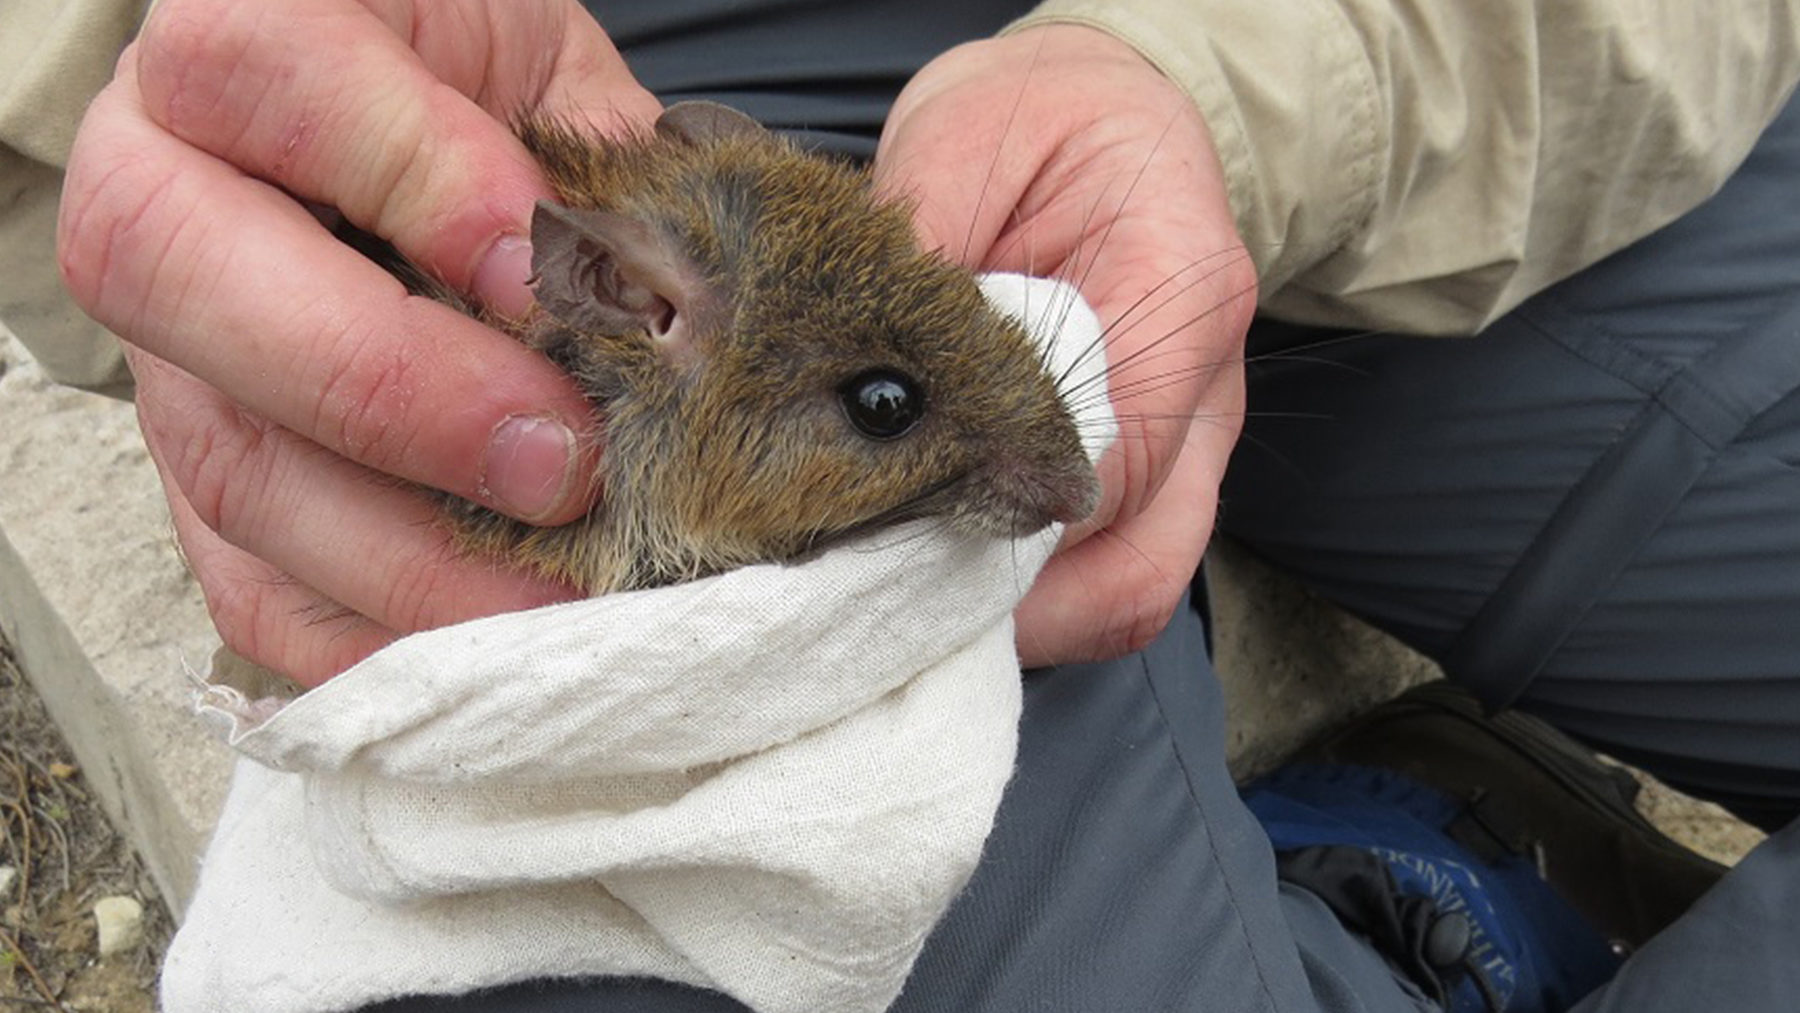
x: 1531, y: 791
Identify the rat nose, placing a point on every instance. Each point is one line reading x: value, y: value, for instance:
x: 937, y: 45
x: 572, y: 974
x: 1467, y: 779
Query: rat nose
x: 1035, y: 497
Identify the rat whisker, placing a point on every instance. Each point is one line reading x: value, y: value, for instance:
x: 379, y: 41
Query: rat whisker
x: 1154, y: 354
x: 1147, y: 559
x: 327, y: 613
x: 913, y: 508
x: 1074, y: 272
x: 1288, y: 464
x: 994, y: 163
x: 1138, y: 354
x: 1082, y: 395
x: 1146, y: 386
x: 913, y: 537
x: 1120, y: 326
x: 1190, y: 416
x: 1095, y: 390
x: 1123, y: 324
x: 1125, y: 199
x: 1334, y: 339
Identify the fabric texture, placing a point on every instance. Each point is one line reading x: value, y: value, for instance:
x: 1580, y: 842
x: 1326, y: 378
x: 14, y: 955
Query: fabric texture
x: 771, y: 782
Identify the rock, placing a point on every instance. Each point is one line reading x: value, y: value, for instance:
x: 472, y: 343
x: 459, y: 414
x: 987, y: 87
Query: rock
x: 121, y: 922
x: 7, y: 875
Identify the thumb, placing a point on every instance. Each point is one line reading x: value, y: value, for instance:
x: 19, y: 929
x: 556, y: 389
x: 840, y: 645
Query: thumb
x: 951, y: 148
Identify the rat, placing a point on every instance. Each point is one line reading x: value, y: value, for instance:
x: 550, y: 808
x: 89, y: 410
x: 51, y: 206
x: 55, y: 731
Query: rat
x: 777, y: 363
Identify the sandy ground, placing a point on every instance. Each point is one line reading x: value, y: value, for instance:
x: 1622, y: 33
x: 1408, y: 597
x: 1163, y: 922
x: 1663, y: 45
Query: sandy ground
x: 65, y: 856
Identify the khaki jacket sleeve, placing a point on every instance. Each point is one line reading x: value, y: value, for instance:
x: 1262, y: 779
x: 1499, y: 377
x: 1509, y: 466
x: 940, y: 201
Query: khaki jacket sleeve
x: 55, y: 55
x: 1424, y: 166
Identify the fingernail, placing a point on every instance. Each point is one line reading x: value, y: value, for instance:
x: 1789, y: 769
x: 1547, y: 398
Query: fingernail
x: 528, y: 464
x: 500, y: 281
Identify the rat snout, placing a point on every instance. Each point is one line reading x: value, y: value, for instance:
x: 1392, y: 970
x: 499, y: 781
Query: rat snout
x: 1075, y: 498
x: 1030, y: 496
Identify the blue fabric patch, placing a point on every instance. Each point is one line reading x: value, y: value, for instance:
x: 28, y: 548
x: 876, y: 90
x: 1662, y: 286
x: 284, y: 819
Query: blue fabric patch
x: 1538, y: 953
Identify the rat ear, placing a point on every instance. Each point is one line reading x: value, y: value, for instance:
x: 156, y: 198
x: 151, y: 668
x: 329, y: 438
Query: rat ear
x: 698, y: 122
x: 608, y: 274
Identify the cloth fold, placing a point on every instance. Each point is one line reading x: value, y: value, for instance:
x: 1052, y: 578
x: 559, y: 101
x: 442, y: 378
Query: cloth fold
x: 771, y: 782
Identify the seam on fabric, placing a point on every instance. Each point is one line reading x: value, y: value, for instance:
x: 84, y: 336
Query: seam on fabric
x: 1479, y: 650
x: 1661, y: 381
x: 1212, y: 848
x: 1499, y: 693
x: 1366, y: 165
x: 1633, y: 367
x: 1659, y: 391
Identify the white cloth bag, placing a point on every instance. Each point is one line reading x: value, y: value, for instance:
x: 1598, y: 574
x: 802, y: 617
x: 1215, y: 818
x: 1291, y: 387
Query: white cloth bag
x: 771, y: 782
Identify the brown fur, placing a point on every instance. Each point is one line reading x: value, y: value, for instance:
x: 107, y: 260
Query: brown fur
x: 742, y: 453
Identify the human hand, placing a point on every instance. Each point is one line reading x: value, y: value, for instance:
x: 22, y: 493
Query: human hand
x: 1059, y: 151
x: 281, y: 377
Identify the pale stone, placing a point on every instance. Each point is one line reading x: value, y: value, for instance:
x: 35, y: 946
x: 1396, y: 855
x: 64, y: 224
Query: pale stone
x: 121, y: 922
x: 102, y: 616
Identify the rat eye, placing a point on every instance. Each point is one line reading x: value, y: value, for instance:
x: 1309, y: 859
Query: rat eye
x: 882, y: 404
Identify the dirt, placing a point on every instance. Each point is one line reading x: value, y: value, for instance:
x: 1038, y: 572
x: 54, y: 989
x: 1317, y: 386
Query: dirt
x: 66, y: 855
x: 1702, y: 826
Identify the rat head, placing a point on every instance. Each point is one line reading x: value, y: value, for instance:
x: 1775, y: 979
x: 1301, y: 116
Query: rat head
x: 777, y: 363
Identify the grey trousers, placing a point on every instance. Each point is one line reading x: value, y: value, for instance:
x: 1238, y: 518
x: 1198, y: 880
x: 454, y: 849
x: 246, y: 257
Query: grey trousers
x: 1592, y: 512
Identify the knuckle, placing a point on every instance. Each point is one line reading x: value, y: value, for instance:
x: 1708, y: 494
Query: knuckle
x: 414, y: 594
x: 1144, y: 611
x: 239, y: 611
x: 222, y: 465
x: 365, y: 399
x: 191, y: 56
x: 402, y: 188
x: 111, y: 229
x: 437, y: 191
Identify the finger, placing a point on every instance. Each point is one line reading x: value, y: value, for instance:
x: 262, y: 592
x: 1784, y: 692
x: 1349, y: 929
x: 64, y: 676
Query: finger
x: 263, y: 614
x: 1113, y: 593
x: 392, y: 137
x: 227, y: 278
x: 376, y: 547
x: 550, y: 56
x: 268, y: 617
x: 945, y: 149
x: 971, y: 136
